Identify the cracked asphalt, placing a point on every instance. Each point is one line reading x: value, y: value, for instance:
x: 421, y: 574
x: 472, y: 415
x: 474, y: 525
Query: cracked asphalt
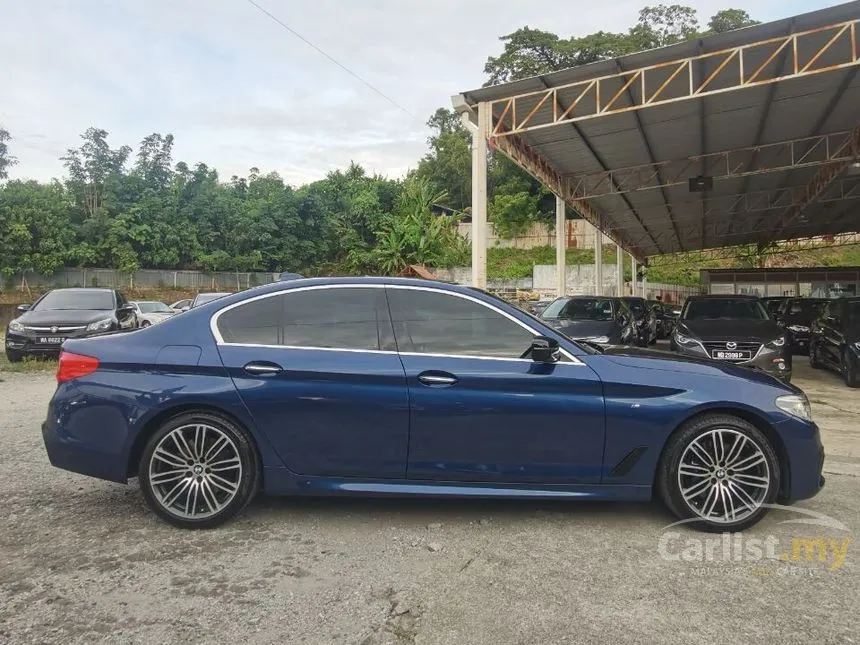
x: 84, y: 561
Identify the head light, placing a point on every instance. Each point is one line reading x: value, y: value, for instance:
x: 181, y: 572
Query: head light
x: 15, y: 326
x: 682, y: 339
x: 100, y: 325
x: 778, y: 342
x: 798, y: 328
x: 797, y: 405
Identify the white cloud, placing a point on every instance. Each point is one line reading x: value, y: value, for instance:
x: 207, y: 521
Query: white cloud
x: 237, y: 90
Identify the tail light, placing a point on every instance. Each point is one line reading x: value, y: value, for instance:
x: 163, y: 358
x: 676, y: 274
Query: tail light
x: 74, y: 366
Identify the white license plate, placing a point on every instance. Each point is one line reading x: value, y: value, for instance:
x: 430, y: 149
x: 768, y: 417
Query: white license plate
x: 731, y: 356
x: 51, y: 340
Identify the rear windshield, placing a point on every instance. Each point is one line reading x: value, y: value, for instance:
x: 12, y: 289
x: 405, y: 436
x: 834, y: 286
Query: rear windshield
x: 89, y: 300
x: 580, y: 309
x: 725, y: 309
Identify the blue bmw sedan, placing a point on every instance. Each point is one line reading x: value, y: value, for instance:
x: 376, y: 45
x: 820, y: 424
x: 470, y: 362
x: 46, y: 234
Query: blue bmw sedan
x: 383, y: 386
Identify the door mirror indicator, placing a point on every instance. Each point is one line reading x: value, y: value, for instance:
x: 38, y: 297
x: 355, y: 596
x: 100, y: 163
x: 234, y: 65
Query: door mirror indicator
x: 545, y: 350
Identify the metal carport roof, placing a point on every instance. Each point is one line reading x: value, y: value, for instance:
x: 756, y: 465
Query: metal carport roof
x: 769, y: 113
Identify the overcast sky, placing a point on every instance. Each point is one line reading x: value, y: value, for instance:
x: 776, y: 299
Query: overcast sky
x: 237, y: 90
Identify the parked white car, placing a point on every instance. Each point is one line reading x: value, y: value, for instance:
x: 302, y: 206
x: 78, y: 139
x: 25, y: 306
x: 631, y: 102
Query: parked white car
x: 181, y: 305
x: 151, y: 312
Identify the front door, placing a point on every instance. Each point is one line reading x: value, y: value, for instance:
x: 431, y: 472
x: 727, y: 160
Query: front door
x: 480, y: 410
x: 317, y: 370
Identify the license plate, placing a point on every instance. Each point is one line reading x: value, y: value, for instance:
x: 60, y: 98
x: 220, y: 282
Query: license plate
x: 731, y: 356
x: 51, y: 340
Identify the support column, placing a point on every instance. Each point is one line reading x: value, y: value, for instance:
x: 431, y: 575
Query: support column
x: 633, y: 270
x: 598, y: 262
x: 479, y: 198
x: 619, y: 268
x: 644, y: 286
x: 560, y: 247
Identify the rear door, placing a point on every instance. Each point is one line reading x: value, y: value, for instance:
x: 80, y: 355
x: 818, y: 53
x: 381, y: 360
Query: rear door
x: 318, y: 371
x: 480, y: 410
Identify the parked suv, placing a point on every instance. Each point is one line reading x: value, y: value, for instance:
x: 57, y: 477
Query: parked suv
x: 835, y: 339
x: 796, y: 315
x: 733, y: 329
x: 66, y: 313
x: 605, y: 321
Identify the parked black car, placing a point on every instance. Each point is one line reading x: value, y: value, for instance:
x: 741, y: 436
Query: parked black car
x: 735, y: 329
x: 835, y: 339
x: 605, y: 321
x: 665, y: 321
x: 796, y: 316
x: 66, y: 313
x: 773, y: 304
x: 646, y: 321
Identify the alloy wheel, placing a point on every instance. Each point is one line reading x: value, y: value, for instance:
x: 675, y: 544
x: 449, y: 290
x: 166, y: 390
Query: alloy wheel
x: 195, y: 471
x: 723, y: 476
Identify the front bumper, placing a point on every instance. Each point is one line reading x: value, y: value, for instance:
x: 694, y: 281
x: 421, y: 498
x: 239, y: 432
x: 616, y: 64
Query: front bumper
x: 798, y: 340
x: 31, y: 342
x: 772, y: 360
x: 805, y: 461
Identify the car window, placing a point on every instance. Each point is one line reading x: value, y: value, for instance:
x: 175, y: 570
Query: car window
x: 429, y: 322
x: 725, y: 309
x: 344, y: 318
x: 153, y: 307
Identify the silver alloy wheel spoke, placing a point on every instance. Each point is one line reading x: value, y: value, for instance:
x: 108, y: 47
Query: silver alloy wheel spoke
x: 195, y: 471
x: 723, y: 475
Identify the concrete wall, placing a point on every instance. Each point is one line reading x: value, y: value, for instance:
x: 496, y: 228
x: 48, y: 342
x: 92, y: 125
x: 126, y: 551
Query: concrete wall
x: 579, y: 234
x: 579, y: 279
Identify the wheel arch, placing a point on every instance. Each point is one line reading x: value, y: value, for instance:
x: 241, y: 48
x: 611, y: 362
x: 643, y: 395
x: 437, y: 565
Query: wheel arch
x: 750, y: 416
x: 152, y: 424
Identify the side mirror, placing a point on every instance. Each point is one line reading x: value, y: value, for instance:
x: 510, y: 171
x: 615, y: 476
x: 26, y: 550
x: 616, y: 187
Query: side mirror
x: 22, y: 308
x: 545, y: 350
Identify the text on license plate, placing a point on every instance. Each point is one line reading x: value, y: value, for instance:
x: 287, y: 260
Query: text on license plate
x: 731, y: 356
x: 51, y: 340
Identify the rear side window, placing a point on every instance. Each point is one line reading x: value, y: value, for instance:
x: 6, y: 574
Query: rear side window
x: 428, y: 322
x: 344, y: 318
x: 339, y: 318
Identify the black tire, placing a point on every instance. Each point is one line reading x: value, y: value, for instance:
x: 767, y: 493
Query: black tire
x: 667, y: 480
x: 14, y: 357
x: 814, y: 361
x: 248, y: 481
x: 145, y: 324
x: 849, y: 370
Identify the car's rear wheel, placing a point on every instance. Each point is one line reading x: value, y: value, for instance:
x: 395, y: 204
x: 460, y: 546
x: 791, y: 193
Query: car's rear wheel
x: 198, y: 470
x: 719, y: 473
x: 849, y: 370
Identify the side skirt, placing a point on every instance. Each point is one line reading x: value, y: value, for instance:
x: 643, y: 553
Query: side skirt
x: 280, y: 481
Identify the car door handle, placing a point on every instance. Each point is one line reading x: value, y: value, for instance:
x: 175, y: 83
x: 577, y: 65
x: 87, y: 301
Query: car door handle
x: 437, y: 379
x: 262, y: 368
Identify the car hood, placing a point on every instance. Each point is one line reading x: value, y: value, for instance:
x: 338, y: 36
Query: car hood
x: 64, y: 316
x: 804, y: 319
x: 761, y: 331
x: 643, y: 358
x: 582, y: 328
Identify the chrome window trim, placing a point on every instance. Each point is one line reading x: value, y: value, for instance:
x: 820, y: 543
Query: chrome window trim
x: 219, y: 339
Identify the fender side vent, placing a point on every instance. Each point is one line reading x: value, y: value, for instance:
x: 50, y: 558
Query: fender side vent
x: 626, y: 464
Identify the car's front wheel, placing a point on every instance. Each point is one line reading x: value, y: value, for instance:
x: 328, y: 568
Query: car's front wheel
x: 814, y: 360
x: 719, y: 473
x: 14, y: 357
x: 198, y: 470
x: 145, y: 324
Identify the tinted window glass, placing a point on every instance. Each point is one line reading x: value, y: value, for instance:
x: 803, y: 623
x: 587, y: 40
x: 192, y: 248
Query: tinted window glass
x: 76, y: 299
x: 636, y: 306
x: 436, y: 323
x: 257, y: 322
x: 725, y: 309
x: 337, y: 318
x: 586, y: 309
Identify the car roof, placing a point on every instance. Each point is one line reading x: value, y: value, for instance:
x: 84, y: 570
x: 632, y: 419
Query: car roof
x: 104, y: 289
x: 739, y: 296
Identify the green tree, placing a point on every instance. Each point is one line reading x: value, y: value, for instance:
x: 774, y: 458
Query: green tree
x: 6, y: 159
x: 729, y: 20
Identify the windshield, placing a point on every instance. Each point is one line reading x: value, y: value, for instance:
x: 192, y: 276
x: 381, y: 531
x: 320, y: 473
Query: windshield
x: 805, y: 307
x: 773, y: 305
x: 75, y: 299
x: 203, y: 298
x: 154, y: 308
x: 636, y: 306
x: 580, y: 309
x: 725, y: 309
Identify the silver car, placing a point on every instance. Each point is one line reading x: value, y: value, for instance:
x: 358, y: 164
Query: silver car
x: 151, y: 312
